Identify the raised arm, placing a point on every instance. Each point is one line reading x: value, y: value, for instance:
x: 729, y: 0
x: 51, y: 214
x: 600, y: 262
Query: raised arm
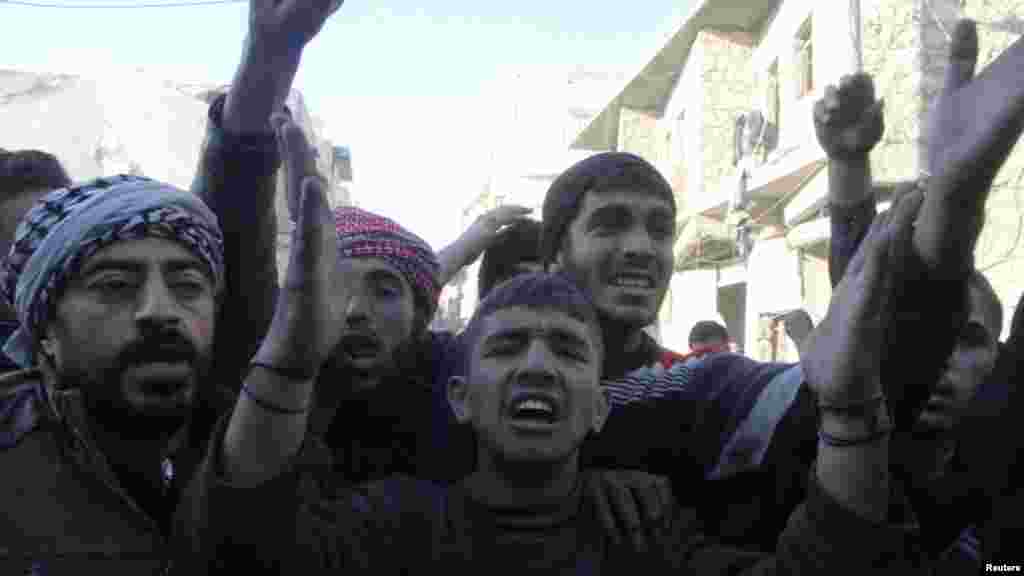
x: 476, y: 239
x: 237, y: 175
x: 975, y: 123
x: 268, y: 424
x: 848, y: 122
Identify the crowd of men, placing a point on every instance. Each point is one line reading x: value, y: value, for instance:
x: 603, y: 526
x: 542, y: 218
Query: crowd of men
x: 170, y: 404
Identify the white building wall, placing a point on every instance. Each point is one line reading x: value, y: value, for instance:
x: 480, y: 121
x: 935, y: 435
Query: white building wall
x: 693, y: 296
x: 693, y: 103
x: 773, y: 285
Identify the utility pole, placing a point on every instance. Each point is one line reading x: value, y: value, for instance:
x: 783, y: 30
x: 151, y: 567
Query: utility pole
x: 855, y: 36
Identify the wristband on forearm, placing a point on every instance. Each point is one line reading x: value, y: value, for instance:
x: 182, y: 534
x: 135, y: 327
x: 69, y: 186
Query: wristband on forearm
x: 301, y: 375
x: 870, y: 420
x: 271, y: 406
x: 853, y: 409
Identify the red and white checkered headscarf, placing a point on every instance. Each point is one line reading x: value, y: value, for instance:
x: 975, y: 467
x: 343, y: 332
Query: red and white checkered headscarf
x: 363, y: 234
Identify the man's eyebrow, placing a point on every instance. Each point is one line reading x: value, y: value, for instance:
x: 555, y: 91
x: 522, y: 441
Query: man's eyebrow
x: 136, y: 266
x: 569, y: 336
x: 182, y: 264
x: 609, y: 210
x: 518, y: 332
x: 113, y: 264
x: 382, y: 274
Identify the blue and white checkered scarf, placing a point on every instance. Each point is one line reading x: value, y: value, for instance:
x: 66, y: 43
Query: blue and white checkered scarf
x: 69, y: 225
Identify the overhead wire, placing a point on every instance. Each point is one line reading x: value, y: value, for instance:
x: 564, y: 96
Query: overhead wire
x: 124, y: 5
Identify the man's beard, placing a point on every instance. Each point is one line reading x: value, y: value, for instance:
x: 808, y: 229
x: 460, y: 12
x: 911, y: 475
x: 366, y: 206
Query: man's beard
x: 104, y: 397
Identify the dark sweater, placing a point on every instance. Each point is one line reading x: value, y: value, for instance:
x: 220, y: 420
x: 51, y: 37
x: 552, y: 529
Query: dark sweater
x: 401, y: 526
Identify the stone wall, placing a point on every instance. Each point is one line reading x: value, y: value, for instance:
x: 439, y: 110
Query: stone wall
x: 637, y: 134
x: 728, y: 92
x: 891, y: 39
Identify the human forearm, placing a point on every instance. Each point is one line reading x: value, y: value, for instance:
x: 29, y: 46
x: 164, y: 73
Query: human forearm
x: 460, y: 254
x: 237, y: 179
x: 260, y: 87
x: 856, y: 475
x: 849, y: 179
x: 267, y: 426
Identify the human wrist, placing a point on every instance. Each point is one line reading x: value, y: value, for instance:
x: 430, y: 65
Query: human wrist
x: 868, y: 422
x: 289, y: 362
x: 849, y: 179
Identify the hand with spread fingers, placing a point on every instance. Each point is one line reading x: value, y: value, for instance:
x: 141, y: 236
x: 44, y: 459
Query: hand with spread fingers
x: 848, y: 120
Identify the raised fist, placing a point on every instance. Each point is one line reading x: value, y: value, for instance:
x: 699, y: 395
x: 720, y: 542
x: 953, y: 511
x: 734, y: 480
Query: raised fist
x: 848, y: 120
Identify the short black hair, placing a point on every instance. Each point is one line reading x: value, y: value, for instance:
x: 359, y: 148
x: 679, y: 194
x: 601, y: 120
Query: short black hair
x: 993, y: 307
x: 517, y: 243
x: 538, y: 291
x: 708, y: 331
x: 598, y: 173
x: 24, y: 171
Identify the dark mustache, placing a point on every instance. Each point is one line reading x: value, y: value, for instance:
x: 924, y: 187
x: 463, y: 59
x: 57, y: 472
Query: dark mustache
x: 167, y: 347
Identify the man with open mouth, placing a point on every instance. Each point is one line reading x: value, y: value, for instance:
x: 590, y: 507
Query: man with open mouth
x: 532, y: 394
x: 114, y: 283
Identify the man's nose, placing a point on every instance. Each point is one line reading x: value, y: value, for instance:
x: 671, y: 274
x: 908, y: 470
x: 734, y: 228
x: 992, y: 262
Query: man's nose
x: 638, y: 243
x: 357, y: 313
x: 538, y: 366
x: 157, y: 304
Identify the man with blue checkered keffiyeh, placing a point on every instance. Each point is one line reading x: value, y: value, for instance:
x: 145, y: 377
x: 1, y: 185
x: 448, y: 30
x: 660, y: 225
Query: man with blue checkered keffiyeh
x: 115, y: 284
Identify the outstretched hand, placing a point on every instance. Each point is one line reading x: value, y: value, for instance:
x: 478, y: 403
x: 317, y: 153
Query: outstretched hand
x: 307, y: 321
x: 842, y: 358
x: 848, y: 120
x: 974, y: 125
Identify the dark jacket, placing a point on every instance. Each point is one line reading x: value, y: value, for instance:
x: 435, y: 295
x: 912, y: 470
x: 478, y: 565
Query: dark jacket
x: 402, y: 526
x: 65, y: 512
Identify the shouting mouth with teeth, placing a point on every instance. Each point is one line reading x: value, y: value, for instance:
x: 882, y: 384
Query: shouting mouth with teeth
x: 631, y: 295
x: 533, y: 413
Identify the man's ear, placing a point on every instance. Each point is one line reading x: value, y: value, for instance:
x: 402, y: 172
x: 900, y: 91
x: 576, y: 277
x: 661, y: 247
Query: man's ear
x: 459, y: 399
x: 601, y: 409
